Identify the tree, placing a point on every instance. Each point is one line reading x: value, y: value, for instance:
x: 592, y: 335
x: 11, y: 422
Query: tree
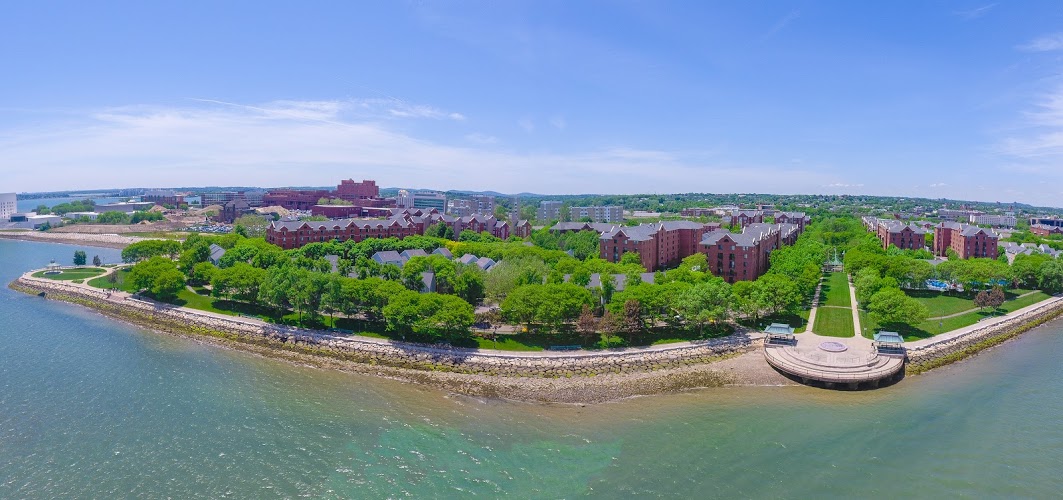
x: 96, y: 261
x: 469, y: 285
x: 79, y: 258
x: 631, y: 321
x: 587, y: 324
x: 705, y: 303
x: 891, y: 305
x: 1050, y: 276
x: 253, y: 225
x: 157, y: 275
x: 631, y: 258
x: 777, y: 293
x: 982, y: 299
x: 201, y: 273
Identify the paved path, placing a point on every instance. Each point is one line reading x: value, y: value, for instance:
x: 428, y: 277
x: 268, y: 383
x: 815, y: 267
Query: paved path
x: 815, y: 306
x: 856, y: 309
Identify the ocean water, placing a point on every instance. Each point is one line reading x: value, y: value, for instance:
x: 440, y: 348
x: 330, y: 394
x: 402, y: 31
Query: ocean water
x: 28, y: 205
x: 90, y: 407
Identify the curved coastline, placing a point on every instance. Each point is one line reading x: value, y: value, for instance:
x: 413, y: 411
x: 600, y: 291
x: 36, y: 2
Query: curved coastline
x: 545, y: 377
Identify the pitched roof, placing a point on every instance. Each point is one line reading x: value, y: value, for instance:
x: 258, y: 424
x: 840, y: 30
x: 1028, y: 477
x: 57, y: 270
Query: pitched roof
x: 413, y: 252
x: 216, y: 252
x: 444, y: 252
x: 389, y: 257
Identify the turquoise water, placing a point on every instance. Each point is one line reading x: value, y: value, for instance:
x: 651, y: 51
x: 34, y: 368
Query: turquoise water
x: 94, y: 408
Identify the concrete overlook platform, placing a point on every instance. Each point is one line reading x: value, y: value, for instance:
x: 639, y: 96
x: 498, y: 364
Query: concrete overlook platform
x: 852, y: 363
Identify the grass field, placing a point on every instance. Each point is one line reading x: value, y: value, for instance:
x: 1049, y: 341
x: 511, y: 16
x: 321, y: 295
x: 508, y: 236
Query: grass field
x: 932, y: 327
x: 834, y: 322
x: 105, y: 283
x: 81, y: 273
x: 942, y: 304
x: 835, y: 291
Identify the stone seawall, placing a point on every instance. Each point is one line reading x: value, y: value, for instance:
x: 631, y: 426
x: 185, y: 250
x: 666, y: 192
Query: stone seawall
x: 379, y: 352
x: 947, y: 350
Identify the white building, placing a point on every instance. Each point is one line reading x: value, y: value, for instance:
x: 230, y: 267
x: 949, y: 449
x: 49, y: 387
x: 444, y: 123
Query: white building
x: 82, y: 215
x: 8, y: 205
x: 994, y: 220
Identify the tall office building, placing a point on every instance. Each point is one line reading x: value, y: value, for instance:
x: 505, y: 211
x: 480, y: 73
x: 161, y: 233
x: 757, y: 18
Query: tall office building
x: 8, y: 206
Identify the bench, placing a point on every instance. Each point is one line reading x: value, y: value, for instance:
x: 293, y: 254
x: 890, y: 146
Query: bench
x: 565, y: 347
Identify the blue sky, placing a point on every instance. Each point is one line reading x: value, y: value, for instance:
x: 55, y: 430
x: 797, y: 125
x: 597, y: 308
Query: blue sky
x: 940, y: 99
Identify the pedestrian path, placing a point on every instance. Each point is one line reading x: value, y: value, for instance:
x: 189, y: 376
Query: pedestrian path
x: 857, y: 331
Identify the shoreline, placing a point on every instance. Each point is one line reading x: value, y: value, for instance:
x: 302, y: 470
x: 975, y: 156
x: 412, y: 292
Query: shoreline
x: 115, y: 241
x: 557, y: 377
x: 540, y: 377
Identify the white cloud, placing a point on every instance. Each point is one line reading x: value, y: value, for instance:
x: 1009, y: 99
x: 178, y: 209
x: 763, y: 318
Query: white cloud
x: 976, y: 12
x: 1046, y: 43
x: 1037, y: 145
x: 559, y: 122
x: 842, y: 185
x: 938, y: 184
x: 316, y: 143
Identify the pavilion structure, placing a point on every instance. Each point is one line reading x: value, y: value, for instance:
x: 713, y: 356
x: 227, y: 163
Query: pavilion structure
x: 889, y: 344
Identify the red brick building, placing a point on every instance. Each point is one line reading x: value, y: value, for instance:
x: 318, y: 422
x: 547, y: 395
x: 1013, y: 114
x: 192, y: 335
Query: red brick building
x: 900, y: 235
x: 966, y: 240
x: 798, y: 219
x: 352, y: 191
x: 745, y: 256
x: 1045, y: 229
x: 294, y: 234
x: 660, y: 245
x: 293, y: 199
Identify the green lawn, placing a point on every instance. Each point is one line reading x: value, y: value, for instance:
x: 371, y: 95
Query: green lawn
x: 932, y: 327
x: 81, y: 273
x: 834, y: 322
x: 105, y: 283
x: 942, y: 304
x: 835, y: 291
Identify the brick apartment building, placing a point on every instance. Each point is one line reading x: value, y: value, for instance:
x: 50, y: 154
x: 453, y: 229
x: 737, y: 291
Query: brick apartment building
x: 354, y: 191
x: 401, y: 223
x: 349, y: 211
x: 163, y: 197
x: 660, y: 244
x: 968, y: 241
x: 745, y: 256
x: 1045, y: 229
x: 798, y: 219
x: 743, y: 218
x: 901, y: 235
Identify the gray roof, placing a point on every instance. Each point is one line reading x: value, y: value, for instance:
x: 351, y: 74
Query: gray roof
x: 620, y: 280
x: 413, y: 252
x: 485, y: 263
x: 468, y: 258
x: 641, y: 232
x: 216, y: 252
x: 601, y: 227
x: 334, y: 261
x: 389, y: 257
x: 444, y: 252
x: 889, y: 337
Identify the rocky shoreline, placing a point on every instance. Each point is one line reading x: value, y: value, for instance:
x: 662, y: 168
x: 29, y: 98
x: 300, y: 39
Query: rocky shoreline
x: 540, y: 377
x: 559, y: 377
x: 946, y: 350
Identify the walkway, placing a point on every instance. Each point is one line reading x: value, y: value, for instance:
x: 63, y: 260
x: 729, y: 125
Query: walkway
x: 856, y: 308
